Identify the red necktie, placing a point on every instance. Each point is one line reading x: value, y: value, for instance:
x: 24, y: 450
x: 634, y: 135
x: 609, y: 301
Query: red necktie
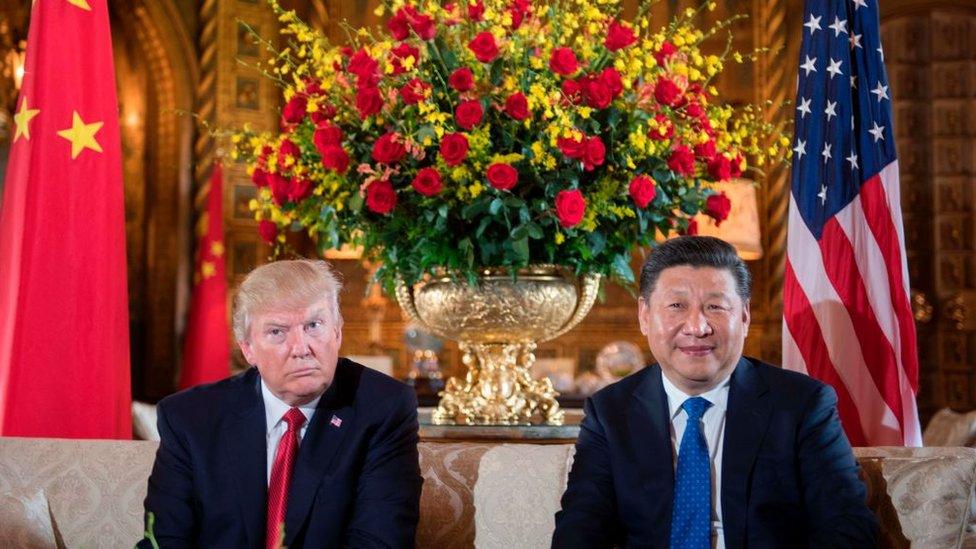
x: 281, y: 477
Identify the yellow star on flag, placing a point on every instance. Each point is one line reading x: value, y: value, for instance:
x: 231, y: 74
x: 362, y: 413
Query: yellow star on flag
x: 208, y: 269
x: 83, y: 4
x: 81, y: 135
x: 217, y: 249
x: 22, y: 119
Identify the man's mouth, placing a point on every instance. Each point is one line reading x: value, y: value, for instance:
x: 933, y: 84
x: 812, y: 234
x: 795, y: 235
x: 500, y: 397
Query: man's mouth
x: 696, y: 350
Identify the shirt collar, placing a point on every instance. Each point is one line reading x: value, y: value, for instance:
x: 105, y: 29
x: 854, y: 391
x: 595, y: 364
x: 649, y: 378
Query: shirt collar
x: 718, y: 395
x: 275, y: 408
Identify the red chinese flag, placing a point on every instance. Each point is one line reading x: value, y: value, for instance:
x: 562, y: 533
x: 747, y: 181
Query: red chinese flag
x: 64, y: 318
x: 206, y: 349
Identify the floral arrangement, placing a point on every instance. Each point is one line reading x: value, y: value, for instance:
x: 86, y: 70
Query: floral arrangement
x: 487, y: 133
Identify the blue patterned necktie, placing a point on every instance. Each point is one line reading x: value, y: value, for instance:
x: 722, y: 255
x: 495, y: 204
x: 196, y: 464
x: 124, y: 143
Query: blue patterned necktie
x: 691, y: 514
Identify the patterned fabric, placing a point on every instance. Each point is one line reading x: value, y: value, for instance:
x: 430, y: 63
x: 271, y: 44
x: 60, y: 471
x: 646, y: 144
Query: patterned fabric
x: 94, y: 490
x: 691, y: 514
x: 281, y: 477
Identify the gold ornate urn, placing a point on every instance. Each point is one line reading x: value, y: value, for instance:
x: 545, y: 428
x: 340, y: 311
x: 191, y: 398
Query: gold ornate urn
x: 498, y: 323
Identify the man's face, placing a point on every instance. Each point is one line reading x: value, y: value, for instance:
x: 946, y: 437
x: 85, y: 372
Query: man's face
x: 295, y: 350
x: 696, y: 325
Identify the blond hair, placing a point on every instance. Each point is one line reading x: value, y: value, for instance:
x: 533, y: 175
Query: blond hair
x: 288, y: 284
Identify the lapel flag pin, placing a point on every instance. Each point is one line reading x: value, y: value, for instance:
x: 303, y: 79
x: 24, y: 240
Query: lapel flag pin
x: 336, y: 421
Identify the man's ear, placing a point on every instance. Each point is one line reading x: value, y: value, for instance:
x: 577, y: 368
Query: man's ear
x: 746, y: 314
x: 247, y: 351
x: 643, y: 310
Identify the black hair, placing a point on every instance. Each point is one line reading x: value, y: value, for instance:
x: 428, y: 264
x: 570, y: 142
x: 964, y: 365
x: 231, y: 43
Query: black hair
x: 695, y: 251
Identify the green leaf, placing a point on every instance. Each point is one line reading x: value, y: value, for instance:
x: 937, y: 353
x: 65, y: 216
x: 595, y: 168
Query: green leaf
x: 496, y: 206
x: 621, y: 268
x: 597, y: 242
x: 474, y: 209
x: 521, y: 232
x: 521, y: 248
x: 356, y: 203
x: 535, y: 231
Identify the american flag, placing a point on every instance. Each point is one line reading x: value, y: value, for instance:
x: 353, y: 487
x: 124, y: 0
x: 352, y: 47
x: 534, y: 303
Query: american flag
x: 847, y: 319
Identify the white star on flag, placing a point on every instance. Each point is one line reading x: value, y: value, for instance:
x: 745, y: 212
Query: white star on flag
x: 834, y: 68
x: 800, y: 149
x: 853, y: 160
x: 813, y: 24
x: 831, y: 109
x: 856, y: 41
x: 809, y: 65
x: 859, y: 4
x: 804, y: 107
x: 877, y: 131
x: 826, y: 152
x: 823, y: 194
x: 839, y: 26
x: 880, y: 91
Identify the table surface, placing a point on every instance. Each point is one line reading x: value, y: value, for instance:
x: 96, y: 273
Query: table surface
x: 535, y: 434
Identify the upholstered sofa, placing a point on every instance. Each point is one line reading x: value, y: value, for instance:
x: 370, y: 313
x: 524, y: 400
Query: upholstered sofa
x: 88, y: 493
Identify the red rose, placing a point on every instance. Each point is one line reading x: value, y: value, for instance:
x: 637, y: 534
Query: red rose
x: 572, y: 90
x: 299, y: 189
x: 289, y: 148
x: 414, y: 91
x: 388, y: 149
x: 468, y: 114
x: 260, y: 178
x: 461, y: 79
x: 399, y: 56
x: 666, y: 91
x: 720, y: 168
x: 454, y: 148
x: 327, y: 135
x: 519, y: 9
x: 268, y: 231
x: 595, y: 153
x: 424, y: 26
x: 323, y: 115
x: 666, y: 51
x: 692, y: 227
x: 642, y: 190
x: 279, y: 188
x: 572, y: 148
x: 570, y: 207
x: 398, y: 25
x: 335, y: 158
x: 718, y: 206
x: 368, y: 102
x: 380, y: 197
x: 597, y: 93
x: 517, y: 106
x: 682, y: 161
x: 612, y: 79
x: 476, y: 10
x: 483, y: 47
x: 619, y: 36
x: 563, y: 61
x: 662, y: 122
x: 294, y: 110
x: 694, y: 110
x: 502, y: 176
x: 705, y: 150
x: 362, y: 65
x: 427, y: 182
x: 736, y: 169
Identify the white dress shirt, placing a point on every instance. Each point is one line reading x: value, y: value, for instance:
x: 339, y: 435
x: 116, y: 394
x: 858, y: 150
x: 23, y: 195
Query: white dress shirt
x: 714, y: 431
x: 274, y: 411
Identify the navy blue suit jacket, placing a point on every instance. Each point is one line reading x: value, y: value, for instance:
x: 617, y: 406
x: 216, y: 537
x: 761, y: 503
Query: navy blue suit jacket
x: 789, y: 478
x: 355, y: 484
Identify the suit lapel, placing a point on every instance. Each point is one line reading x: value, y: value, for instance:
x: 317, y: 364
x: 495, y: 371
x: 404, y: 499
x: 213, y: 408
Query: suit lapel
x: 246, y: 446
x: 651, y: 432
x: 746, y: 420
x: 333, y: 418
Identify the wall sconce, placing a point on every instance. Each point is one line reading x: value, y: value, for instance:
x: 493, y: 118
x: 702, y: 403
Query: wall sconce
x: 15, y: 60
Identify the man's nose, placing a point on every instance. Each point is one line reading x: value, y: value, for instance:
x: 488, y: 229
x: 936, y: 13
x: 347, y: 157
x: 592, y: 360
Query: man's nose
x: 298, y: 342
x: 696, y: 324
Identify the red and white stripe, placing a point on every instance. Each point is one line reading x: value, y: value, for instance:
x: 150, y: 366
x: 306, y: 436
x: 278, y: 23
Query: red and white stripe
x: 847, y: 317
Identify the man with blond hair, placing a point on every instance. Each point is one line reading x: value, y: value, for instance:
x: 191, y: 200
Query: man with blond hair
x: 304, y: 449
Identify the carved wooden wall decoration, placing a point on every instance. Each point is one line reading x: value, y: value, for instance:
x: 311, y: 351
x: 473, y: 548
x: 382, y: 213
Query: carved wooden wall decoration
x: 930, y: 50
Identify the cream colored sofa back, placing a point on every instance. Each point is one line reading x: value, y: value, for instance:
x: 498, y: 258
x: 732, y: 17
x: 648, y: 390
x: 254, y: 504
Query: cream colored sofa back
x: 88, y: 493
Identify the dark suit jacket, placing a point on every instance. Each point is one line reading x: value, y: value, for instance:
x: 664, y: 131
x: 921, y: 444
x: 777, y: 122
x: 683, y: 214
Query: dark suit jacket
x: 789, y: 478
x: 353, y: 485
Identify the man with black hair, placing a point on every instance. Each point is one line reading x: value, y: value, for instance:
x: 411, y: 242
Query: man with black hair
x: 707, y: 448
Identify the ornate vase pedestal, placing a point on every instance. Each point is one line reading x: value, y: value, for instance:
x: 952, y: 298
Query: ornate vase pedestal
x: 498, y: 323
